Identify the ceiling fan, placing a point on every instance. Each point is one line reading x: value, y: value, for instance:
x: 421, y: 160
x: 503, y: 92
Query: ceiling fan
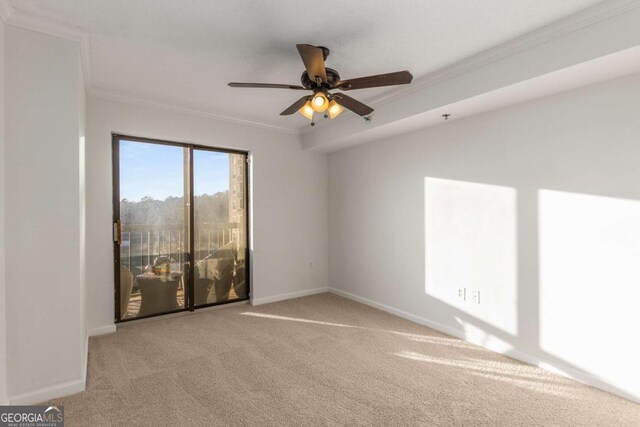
x: 320, y: 80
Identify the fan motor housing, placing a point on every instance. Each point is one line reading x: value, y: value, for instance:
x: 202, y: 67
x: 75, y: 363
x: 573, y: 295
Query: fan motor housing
x: 332, y: 79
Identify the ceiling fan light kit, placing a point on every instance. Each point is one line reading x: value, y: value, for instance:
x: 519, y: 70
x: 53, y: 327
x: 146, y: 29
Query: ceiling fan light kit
x: 307, y: 110
x: 320, y: 80
x: 335, y: 109
x: 319, y: 103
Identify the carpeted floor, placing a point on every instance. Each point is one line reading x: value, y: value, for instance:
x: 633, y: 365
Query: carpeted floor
x: 320, y: 360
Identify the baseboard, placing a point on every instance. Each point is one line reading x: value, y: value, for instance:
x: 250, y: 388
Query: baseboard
x: 59, y: 390
x: 583, y: 377
x: 282, y: 297
x: 47, y: 393
x: 400, y: 313
x: 102, y: 330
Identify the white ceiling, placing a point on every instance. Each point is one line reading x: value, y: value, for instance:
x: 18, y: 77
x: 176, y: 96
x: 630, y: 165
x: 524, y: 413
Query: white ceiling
x: 184, y: 53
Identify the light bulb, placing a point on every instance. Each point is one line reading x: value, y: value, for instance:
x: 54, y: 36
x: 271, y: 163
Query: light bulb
x: 306, y: 110
x: 335, y: 109
x: 319, y: 102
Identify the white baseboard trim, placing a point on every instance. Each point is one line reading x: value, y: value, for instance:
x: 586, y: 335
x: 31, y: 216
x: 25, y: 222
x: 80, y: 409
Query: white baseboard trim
x: 400, y: 313
x: 59, y: 390
x: 282, y: 297
x: 47, y: 393
x: 583, y: 377
x: 102, y: 330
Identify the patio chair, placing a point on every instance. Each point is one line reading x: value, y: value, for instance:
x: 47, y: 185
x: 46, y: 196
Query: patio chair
x: 126, y: 285
x: 220, y: 266
x: 240, y: 281
x: 204, y: 275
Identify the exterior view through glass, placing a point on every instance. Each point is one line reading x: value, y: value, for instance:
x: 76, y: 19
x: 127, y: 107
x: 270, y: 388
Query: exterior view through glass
x: 168, y: 258
x: 220, y: 235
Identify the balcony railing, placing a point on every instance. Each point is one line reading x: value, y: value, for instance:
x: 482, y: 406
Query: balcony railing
x: 142, y: 243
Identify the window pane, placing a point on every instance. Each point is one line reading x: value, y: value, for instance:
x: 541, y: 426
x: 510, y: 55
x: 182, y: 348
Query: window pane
x: 219, y: 228
x: 154, y: 217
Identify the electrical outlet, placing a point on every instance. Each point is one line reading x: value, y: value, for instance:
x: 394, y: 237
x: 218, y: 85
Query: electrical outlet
x: 476, y: 297
x: 462, y: 294
x: 310, y: 266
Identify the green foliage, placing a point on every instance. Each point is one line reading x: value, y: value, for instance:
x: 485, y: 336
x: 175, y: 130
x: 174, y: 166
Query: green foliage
x: 209, y: 209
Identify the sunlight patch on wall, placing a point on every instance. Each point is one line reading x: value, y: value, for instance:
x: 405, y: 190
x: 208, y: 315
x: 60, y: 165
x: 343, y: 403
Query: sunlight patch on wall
x: 590, y: 282
x: 471, y: 243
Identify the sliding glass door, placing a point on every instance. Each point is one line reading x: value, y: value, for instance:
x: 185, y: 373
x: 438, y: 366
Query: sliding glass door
x: 180, y: 227
x: 219, y: 208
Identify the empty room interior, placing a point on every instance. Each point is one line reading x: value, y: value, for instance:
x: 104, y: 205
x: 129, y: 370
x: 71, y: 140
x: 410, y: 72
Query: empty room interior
x: 297, y: 213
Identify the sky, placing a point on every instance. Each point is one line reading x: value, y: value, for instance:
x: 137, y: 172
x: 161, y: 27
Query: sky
x: 157, y: 171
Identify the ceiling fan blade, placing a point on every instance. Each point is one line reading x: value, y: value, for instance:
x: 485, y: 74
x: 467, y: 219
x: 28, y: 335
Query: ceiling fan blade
x: 352, y: 104
x: 295, y: 106
x: 266, y: 85
x: 389, y: 79
x: 313, y: 58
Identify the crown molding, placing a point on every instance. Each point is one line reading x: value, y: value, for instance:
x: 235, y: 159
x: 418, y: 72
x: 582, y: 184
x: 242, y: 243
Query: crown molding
x: 18, y: 18
x: 575, y: 22
x: 110, y: 95
x: 6, y: 9
x: 46, y: 25
x: 589, y: 16
x: 29, y: 21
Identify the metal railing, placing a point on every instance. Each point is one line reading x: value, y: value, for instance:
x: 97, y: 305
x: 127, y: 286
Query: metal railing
x: 142, y: 243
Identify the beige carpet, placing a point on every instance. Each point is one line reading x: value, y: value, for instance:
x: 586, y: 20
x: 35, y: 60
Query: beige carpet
x: 320, y: 360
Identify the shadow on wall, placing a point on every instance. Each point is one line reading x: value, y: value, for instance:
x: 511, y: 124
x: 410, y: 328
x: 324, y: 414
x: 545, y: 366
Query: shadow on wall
x: 557, y: 274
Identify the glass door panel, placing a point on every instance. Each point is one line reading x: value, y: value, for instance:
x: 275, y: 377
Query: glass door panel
x: 180, y: 227
x: 153, y: 251
x: 220, y: 226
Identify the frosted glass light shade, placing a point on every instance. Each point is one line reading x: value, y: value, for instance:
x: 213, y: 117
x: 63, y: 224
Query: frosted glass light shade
x: 306, y: 110
x: 335, y: 109
x: 319, y: 102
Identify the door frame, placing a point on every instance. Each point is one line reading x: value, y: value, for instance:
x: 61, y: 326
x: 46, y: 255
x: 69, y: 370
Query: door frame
x: 189, y: 283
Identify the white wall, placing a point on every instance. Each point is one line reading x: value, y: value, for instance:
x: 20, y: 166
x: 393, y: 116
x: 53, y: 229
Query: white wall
x: 536, y: 206
x: 45, y: 329
x: 3, y: 328
x: 289, y: 199
x: 82, y: 213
